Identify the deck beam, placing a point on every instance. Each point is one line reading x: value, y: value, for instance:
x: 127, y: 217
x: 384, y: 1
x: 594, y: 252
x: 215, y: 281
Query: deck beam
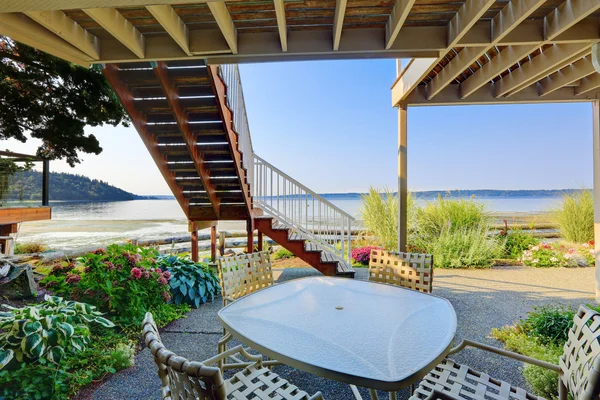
x: 588, y: 84
x: 281, y: 23
x: 566, y: 76
x: 175, y: 27
x: 338, y: 22
x: 225, y: 23
x: 115, y: 24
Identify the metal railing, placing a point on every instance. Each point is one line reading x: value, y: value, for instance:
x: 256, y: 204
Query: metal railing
x: 277, y: 194
x: 230, y: 75
x: 302, y: 210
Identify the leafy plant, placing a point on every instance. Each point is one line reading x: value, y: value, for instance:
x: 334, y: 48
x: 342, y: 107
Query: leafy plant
x: 549, y: 324
x: 556, y: 254
x: 282, y: 253
x: 191, y: 283
x: 122, y: 280
x: 516, y: 241
x: 362, y: 255
x: 49, y: 330
x: 575, y: 217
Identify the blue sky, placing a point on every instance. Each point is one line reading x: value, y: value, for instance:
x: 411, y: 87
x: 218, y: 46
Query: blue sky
x: 330, y: 125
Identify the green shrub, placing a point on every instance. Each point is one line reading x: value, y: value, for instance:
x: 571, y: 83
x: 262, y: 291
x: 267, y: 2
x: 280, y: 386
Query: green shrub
x: 282, y: 254
x: 463, y: 248
x: 542, y: 381
x: 380, y: 215
x: 121, y: 280
x: 575, y: 217
x: 50, y: 330
x: 549, y: 324
x: 516, y: 241
x: 191, y: 283
x: 30, y: 247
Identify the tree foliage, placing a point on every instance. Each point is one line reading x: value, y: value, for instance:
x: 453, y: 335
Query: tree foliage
x: 53, y: 100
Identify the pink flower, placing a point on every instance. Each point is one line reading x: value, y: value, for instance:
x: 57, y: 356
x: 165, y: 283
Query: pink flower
x: 146, y: 274
x: 162, y: 280
x: 99, y: 251
x: 110, y: 266
x: 166, y: 296
x: 167, y: 274
x: 136, y: 273
x: 571, y: 250
x: 72, y: 278
x: 158, y: 270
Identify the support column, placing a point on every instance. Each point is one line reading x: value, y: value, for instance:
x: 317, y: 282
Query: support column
x: 194, y: 232
x: 596, y: 112
x: 250, y: 229
x: 213, y: 243
x: 260, y: 241
x: 402, y: 172
x: 45, y: 182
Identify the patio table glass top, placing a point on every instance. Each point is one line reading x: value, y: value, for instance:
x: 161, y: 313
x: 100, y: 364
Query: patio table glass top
x: 368, y: 334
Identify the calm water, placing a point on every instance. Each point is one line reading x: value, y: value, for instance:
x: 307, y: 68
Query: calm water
x: 76, y: 224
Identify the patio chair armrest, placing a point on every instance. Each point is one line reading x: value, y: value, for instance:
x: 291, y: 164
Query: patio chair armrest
x: 505, y: 353
x: 227, y: 300
x: 257, y: 358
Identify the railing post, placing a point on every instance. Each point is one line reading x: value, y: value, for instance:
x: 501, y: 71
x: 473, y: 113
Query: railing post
x: 46, y: 182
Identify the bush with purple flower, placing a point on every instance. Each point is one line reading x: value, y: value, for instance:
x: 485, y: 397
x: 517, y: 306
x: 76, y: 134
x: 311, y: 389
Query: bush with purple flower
x: 362, y: 255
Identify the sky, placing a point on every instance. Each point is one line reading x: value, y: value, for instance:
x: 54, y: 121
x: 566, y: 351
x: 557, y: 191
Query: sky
x: 331, y: 126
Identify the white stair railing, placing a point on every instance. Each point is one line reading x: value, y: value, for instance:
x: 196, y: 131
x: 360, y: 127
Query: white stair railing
x: 230, y: 75
x: 302, y: 210
x: 277, y: 194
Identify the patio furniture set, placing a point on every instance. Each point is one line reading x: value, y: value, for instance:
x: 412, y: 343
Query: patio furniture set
x: 386, y: 334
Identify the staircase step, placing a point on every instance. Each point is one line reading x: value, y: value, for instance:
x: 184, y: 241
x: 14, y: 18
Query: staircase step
x: 195, y: 90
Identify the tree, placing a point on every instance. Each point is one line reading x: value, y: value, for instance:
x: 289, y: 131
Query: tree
x: 53, y: 100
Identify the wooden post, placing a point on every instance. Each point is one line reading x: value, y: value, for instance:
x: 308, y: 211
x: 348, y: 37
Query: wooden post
x: 222, y: 243
x: 402, y: 173
x: 250, y: 229
x: 260, y: 241
x: 213, y: 243
x: 596, y: 111
x: 46, y: 182
x: 194, y: 231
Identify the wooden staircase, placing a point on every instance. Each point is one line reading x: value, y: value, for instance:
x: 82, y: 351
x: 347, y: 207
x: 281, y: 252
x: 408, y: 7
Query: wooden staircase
x: 179, y: 110
x: 184, y: 114
x: 302, y: 248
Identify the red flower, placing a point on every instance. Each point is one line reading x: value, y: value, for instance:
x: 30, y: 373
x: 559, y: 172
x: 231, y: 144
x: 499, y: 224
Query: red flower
x: 166, y: 296
x: 99, y: 251
x: 110, y: 266
x: 591, y: 243
x: 136, y: 273
x: 146, y: 274
x: 167, y: 274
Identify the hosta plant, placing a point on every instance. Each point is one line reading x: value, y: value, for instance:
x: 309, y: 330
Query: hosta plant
x: 191, y: 283
x: 50, y: 330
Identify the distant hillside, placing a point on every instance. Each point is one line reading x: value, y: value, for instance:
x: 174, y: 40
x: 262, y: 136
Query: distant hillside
x: 65, y: 186
x: 431, y: 194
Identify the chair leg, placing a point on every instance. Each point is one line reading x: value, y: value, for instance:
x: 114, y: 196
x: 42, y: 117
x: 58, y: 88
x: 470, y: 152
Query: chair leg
x: 355, y: 392
x: 373, y: 394
x: 393, y: 396
x: 412, y: 389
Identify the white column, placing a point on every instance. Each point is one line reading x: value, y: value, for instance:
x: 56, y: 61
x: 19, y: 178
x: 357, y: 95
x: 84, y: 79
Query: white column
x: 402, y: 172
x: 596, y: 111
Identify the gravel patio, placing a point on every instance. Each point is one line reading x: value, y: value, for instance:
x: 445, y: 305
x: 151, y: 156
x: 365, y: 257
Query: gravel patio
x: 483, y: 299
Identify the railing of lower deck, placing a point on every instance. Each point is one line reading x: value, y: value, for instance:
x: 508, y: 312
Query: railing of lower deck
x: 230, y: 75
x: 301, y: 209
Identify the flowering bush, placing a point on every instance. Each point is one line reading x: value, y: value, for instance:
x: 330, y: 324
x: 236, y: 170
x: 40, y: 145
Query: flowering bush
x: 555, y: 254
x: 361, y: 255
x: 121, y: 280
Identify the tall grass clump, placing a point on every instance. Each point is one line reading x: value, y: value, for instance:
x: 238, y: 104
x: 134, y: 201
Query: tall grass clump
x: 455, y: 231
x: 575, y: 217
x: 380, y: 215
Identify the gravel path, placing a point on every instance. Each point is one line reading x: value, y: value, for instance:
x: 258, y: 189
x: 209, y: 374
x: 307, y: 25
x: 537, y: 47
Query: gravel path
x: 483, y: 299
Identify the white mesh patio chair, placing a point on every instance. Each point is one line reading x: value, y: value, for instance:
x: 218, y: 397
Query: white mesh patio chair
x: 578, y: 369
x: 408, y: 270
x: 241, y: 275
x: 182, y: 379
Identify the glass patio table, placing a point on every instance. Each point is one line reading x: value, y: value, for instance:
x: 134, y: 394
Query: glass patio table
x: 367, y: 334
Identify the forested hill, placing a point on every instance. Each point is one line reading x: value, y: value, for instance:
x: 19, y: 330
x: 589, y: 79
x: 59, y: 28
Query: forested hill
x: 63, y: 186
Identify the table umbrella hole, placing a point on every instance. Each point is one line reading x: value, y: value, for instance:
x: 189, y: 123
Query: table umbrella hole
x: 339, y: 308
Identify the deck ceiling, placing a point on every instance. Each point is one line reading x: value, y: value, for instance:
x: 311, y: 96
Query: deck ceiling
x: 465, y: 51
x: 508, y: 69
